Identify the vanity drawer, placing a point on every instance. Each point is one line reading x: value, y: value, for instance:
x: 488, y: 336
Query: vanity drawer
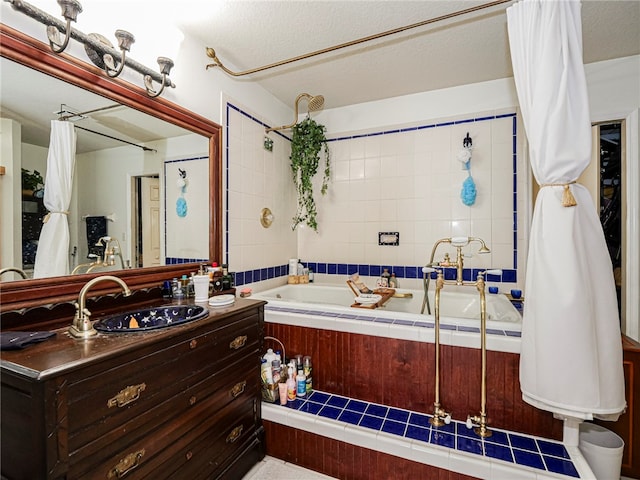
x: 103, y: 402
x: 202, y: 456
x: 203, y: 401
x: 165, y: 452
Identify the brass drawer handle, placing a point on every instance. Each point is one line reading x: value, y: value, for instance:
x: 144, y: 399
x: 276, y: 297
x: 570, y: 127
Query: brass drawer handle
x: 127, y: 395
x: 193, y: 400
x: 238, y: 342
x: 237, y: 389
x: 125, y: 465
x: 235, y: 434
x: 193, y: 344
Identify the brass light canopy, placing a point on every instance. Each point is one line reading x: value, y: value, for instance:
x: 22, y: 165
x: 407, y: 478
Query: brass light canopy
x: 98, y: 48
x: 314, y: 103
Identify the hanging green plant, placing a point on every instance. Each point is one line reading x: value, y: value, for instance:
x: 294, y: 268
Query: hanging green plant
x: 307, y: 141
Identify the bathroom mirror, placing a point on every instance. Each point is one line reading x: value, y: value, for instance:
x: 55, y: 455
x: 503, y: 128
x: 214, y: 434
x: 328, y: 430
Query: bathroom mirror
x: 37, y: 56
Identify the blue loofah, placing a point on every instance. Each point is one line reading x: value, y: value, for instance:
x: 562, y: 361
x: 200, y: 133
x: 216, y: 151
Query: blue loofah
x: 468, y: 193
x: 181, y: 207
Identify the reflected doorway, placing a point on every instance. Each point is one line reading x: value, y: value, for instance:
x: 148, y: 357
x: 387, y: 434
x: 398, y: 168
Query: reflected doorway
x: 146, y: 220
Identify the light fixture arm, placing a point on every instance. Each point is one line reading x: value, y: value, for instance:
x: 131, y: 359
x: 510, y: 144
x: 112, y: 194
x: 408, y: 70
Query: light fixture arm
x: 211, y: 53
x: 94, y: 44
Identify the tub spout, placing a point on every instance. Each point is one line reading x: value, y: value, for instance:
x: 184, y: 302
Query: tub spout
x: 82, y: 326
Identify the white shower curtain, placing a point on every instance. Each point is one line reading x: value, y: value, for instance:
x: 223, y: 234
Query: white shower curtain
x: 571, y: 358
x: 52, y: 256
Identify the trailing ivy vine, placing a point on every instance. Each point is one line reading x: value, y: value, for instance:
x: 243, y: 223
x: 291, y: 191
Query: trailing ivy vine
x: 307, y: 142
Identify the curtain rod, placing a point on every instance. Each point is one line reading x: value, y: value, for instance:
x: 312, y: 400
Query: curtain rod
x: 211, y: 53
x: 146, y: 149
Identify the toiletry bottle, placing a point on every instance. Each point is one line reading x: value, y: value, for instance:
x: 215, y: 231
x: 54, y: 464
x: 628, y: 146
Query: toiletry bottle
x: 270, y: 356
x: 275, y: 371
x: 301, y: 385
x: 291, y: 385
x: 311, y: 276
x: 265, y: 372
x: 226, y: 279
x: 393, y: 281
x: 177, y: 289
x: 386, y: 276
x: 307, y: 368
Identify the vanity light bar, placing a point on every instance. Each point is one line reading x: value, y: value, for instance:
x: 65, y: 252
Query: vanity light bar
x: 96, y: 45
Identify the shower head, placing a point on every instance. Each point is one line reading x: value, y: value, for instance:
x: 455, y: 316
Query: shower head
x: 314, y: 103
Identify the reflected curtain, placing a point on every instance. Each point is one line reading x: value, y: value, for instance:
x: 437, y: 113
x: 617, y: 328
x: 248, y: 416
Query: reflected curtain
x: 52, y: 257
x: 571, y: 357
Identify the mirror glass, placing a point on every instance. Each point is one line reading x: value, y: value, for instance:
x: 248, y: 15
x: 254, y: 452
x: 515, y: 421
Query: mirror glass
x: 139, y: 181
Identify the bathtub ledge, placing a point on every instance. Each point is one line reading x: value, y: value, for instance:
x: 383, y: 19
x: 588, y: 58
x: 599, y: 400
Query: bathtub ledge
x: 368, y: 324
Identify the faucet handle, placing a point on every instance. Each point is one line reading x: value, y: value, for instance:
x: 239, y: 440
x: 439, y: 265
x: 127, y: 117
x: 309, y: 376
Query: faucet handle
x: 428, y: 269
x: 495, y: 271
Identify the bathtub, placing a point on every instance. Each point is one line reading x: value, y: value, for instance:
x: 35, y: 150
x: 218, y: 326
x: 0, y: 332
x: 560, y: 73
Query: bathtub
x: 459, y: 306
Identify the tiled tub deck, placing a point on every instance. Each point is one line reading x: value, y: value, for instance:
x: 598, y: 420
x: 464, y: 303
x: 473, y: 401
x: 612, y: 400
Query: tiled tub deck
x: 409, y: 435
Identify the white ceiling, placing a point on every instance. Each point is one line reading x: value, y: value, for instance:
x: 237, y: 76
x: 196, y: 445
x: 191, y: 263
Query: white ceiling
x: 466, y: 49
x: 249, y: 34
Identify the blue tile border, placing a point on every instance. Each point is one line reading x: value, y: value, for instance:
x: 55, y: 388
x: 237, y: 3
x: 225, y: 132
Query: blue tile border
x: 510, y: 447
x: 346, y: 269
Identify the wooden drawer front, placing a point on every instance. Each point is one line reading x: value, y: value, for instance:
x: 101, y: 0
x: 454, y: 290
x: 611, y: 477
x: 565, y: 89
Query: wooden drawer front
x: 126, y: 392
x: 200, y: 456
x: 164, y: 451
x: 232, y: 385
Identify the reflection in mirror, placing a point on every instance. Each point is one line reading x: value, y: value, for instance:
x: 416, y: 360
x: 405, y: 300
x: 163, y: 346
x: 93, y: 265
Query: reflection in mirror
x: 122, y: 212
x: 26, y: 294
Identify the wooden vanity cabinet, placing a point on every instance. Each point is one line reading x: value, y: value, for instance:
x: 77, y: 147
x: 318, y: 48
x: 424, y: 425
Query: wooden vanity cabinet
x: 178, y: 403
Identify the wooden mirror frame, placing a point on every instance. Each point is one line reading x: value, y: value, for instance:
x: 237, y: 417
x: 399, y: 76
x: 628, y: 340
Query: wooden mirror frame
x: 32, y: 53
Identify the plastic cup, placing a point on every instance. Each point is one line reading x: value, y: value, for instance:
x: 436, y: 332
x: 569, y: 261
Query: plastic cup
x: 493, y: 289
x: 201, y: 287
x: 515, y: 293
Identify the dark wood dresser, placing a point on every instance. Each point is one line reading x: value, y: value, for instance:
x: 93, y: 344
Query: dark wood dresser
x: 182, y: 402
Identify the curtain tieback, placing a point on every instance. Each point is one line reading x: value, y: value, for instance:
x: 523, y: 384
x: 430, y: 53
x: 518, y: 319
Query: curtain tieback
x: 48, y: 215
x: 568, y: 200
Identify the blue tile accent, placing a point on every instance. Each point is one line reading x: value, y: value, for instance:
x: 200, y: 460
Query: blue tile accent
x: 396, y: 428
x: 554, y: 449
x: 563, y: 467
x: 443, y: 439
x: 418, y: 433
x: 528, y: 459
x: 357, y: 406
x: 330, y: 412
x: 524, y: 443
x: 350, y: 417
x: 470, y: 445
x: 398, y: 415
x: 377, y: 410
x: 537, y: 453
x: 498, y: 451
x: 371, y: 422
x: 339, y: 402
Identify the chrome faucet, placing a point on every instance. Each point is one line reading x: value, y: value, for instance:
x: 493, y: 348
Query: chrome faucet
x: 82, y: 326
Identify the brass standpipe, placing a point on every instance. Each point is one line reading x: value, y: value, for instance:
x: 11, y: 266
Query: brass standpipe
x: 440, y: 416
x: 82, y: 326
x: 481, y: 420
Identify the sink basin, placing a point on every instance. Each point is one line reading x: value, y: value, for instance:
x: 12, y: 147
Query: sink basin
x: 151, y: 318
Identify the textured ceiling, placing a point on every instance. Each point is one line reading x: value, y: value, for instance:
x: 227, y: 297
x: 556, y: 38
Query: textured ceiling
x: 249, y: 34
x: 466, y: 49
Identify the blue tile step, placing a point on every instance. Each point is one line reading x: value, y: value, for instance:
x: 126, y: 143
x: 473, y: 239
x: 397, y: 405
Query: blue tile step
x: 408, y: 434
